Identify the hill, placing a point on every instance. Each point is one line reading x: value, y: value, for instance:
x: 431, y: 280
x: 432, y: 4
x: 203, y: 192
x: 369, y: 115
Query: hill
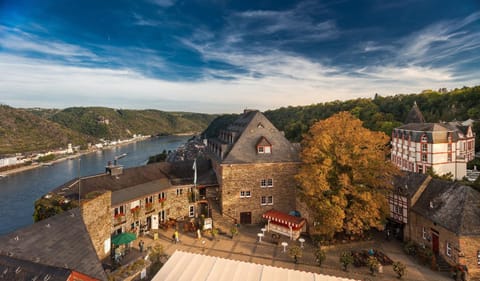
x: 22, y: 131
x: 383, y: 113
x: 108, y: 123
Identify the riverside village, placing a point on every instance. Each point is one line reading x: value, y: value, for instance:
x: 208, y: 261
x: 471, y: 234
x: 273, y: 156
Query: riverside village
x: 240, y: 206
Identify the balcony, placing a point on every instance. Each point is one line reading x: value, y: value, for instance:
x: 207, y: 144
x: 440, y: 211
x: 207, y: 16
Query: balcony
x: 119, y: 219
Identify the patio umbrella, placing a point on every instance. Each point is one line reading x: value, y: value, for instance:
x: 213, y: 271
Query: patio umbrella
x: 123, y: 238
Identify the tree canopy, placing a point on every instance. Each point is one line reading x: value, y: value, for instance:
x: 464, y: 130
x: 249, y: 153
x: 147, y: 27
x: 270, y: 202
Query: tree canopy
x: 344, y: 175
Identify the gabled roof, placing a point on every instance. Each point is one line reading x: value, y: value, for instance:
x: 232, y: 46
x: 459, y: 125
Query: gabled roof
x: 284, y: 219
x: 263, y: 142
x: 451, y: 205
x: 248, y: 133
x: 435, y: 132
x: 415, y: 115
x: 59, y: 241
x: 408, y: 183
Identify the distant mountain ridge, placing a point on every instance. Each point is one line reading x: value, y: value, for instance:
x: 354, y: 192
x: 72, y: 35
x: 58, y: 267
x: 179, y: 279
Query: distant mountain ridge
x: 36, y: 129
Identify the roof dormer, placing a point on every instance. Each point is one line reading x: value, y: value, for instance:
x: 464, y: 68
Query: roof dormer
x: 263, y: 146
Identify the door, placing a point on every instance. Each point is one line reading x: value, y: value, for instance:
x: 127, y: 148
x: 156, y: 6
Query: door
x: 246, y: 217
x: 154, y: 221
x: 435, y: 243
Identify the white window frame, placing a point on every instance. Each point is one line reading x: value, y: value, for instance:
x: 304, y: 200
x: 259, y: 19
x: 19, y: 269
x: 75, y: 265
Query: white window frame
x: 269, y: 182
x: 191, y: 211
x: 179, y: 191
x: 478, y: 257
x: 448, y: 249
x: 266, y: 200
x: 260, y: 149
x: 424, y: 157
x: 424, y: 233
x: 263, y: 183
x: 245, y: 194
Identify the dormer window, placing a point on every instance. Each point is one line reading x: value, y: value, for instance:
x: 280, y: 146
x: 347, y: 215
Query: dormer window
x: 264, y: 146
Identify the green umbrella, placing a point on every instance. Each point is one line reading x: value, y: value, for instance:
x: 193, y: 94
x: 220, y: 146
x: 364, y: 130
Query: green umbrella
x: 123, y: 238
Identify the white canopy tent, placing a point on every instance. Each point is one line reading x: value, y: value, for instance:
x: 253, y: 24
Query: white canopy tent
x: 183, y: 266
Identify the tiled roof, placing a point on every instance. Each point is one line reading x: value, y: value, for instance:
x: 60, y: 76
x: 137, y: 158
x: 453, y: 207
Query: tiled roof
x: 141, y: 180
x: 59, y: 241
x: 18, y: 269
x: 451, y: 205
x: 408, y: 183
x: 435, y: 132
x: 250, y: 127
x: 415, y: 115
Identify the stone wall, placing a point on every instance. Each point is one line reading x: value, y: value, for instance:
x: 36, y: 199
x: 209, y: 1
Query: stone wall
x: 96, y: 216
x: 247, y: 177
x: 175, y: 207
x: 464, y: 248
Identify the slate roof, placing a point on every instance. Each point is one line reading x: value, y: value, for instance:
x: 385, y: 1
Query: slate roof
x: 59, y: 241
x: 436, y: 132
x: 17, y: 269
x: 408, y: 183
x: 415, y: 115
x: 249, y: 130
x: 137, y: 181
x: 451, y: 205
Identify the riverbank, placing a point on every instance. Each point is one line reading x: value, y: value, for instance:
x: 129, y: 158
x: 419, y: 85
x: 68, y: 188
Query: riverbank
x: 6, y: 173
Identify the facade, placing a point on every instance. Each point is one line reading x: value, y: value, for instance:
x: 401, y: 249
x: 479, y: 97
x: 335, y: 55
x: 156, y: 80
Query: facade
x: 255, y: 166
x: 443, y: 147
x: 441, y: 215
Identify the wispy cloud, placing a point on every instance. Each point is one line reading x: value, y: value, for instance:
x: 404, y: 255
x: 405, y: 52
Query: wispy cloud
x: 163, y: 3
x: 15, y: 40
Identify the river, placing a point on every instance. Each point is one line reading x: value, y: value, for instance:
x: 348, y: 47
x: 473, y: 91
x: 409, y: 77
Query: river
x: 19, y: 191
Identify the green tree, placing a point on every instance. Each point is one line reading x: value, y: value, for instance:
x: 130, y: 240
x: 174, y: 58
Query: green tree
x: 320, y: 256
x: 400, y: 269
x: 345, y: 176
x: 295, y: 253
x: 346, y: 258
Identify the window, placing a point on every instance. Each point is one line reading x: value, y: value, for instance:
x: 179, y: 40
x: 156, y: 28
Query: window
x: 449, y: 157
x: 191, y: 211
x: 397, y: 209
x: 449, y: 147
x: 424, y: 147
x: 245, y: 194
x: 260, y: 149
x: 266, y: 183
x: 148, y: 200
x: 448, y: 249
x: 424, y: 138
x: 119, y: 210
x: 179, y: 191
x: 424, y: 157
x: 424, y: 233
x: 162, y: 196
x: 267, y: 200
x: 478, y: 257
x: 264, y: 149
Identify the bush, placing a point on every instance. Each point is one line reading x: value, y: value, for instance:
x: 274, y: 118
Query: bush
x: 346, y: 258
x: 410, y: 248
x: 373, y: 264
x: 320, y: 256
x: 399, y: 268
x: 295, y: 252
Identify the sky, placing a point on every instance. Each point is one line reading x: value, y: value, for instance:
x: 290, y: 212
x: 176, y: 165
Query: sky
x: 224, y: 56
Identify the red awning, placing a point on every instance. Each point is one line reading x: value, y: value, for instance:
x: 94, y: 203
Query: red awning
x: 284, y: 219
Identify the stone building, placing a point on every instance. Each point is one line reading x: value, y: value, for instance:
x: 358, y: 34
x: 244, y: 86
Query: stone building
x: 255, y: 166
x: 441, y: 215
x: 444, y: 147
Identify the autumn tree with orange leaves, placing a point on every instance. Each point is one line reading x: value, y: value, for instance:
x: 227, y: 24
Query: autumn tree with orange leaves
x: 344, y: 176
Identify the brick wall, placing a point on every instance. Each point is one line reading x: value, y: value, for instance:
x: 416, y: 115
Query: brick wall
x: 96, y: 216
x: 247, y: 177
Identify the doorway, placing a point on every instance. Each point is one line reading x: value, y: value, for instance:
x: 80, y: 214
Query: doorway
x: 435, y: 243
x: 245, y: 217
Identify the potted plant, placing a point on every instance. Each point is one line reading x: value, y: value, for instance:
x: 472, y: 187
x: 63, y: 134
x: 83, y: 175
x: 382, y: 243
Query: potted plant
x: 399, y: 268
x: 214, y: 233
x: 295, y: 252
x: 234, y: 231
x: 320, y: 256
x: 373, y: 264
x: 346, y: 258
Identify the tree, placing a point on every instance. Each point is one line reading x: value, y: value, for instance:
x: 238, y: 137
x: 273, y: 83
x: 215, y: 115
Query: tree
x: 399, y: 268
x: 295, y: 252
x: 373, y: 264
x: 320, y: 256
x: 346, y: 258
x: 345, y: 176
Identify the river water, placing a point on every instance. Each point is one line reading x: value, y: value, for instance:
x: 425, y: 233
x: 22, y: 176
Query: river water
x: 19, y: 191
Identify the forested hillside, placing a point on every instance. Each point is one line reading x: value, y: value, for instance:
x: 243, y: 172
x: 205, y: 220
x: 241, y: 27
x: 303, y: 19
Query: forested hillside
x: 108, y: 123
x: 382, y: 113
x: 22, y: 131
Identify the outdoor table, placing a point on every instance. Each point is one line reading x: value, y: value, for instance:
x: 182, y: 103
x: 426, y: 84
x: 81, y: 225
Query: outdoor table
x: 284, y: 244
x: 260, y: 235
x: 263, y: 230
x: 301, y: 240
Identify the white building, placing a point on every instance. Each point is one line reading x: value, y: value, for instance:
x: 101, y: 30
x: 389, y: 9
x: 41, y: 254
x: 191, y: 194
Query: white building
x: 443, y: 147
x: 8, y: 161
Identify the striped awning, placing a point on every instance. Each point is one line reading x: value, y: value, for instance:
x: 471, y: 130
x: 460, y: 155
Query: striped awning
x: 284, y: 219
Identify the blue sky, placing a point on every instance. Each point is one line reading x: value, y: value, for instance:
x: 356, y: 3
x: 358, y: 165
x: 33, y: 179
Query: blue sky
x: 223, y: 56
